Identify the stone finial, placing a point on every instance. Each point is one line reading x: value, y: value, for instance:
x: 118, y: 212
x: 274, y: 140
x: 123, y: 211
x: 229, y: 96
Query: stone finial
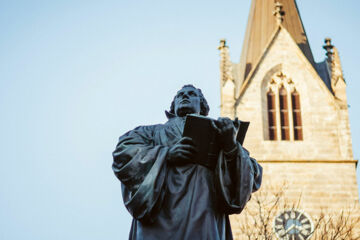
x: 279, y: 13
x: 337, y: 68
x: 222, y: 44
x: 338, y: 83
x: 226, y: 82
x: 328, y: 47
x: 225, y: 62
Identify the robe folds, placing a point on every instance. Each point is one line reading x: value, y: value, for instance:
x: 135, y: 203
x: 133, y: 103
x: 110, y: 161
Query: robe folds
x: 183, y: 202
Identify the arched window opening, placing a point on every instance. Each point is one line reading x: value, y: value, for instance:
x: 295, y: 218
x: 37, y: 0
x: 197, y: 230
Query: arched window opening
x: 283, y: 121
x: 271, y: 115
x: 284, y: 114
x: 295, y: 99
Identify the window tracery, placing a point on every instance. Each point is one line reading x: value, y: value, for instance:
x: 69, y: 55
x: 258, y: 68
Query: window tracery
x: 283, y: 107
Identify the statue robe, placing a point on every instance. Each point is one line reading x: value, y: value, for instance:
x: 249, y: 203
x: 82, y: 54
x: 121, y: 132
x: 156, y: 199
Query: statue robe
x: 180, y: 202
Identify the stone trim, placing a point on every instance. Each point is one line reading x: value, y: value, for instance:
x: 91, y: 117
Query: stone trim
x: 308, y: 161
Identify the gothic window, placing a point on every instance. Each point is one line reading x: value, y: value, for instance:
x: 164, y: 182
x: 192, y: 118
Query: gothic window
x: 295, y: 99
x: 284, y: 114
x: 271, y: 114
x: 283, y: 109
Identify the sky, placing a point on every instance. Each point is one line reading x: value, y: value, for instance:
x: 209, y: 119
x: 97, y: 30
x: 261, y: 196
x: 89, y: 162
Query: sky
x: 75, y: 75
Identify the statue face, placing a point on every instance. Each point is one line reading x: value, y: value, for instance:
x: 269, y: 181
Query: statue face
x: 187, y: 101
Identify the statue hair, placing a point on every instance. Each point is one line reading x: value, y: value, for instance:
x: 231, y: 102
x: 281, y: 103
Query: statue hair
x: 204, y: 107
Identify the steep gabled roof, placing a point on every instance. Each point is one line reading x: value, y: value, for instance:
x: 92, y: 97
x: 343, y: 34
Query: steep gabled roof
x: 298, y: 51
x: 261, y: 26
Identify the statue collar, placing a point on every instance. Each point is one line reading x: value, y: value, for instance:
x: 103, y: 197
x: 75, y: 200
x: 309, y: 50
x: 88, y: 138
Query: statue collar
x: 169, y: 115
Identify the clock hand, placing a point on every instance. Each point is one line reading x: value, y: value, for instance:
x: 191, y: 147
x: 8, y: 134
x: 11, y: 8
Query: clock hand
x: 299, y: 228
x: 290, y: 228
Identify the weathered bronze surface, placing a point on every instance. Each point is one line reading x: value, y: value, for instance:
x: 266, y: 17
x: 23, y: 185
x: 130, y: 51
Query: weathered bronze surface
x: 171, y: 197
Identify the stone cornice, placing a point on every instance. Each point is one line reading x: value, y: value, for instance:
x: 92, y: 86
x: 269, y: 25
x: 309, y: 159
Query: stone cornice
x: 308, y: 161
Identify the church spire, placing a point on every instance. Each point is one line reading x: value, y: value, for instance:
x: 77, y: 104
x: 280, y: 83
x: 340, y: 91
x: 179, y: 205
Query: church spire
x: 261, y: 26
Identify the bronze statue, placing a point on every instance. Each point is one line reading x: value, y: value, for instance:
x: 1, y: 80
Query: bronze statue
x: 170, y: 196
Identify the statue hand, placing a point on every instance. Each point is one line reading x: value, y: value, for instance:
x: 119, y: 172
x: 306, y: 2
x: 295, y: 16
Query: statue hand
x: 182, y: 151
x: 227, y: 133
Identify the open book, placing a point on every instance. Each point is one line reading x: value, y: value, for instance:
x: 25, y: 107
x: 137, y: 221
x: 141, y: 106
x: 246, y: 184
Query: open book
x: 200, y: 129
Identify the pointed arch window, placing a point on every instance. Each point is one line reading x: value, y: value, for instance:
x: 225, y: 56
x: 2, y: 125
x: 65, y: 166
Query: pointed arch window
x: 284, y: 114
x: 283, y: 109
x: 295, y: 99
x: 271, y: 114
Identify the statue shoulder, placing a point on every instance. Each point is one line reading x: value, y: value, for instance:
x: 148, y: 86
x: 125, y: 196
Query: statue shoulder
x: 144, y: 130
x: 149, y: 128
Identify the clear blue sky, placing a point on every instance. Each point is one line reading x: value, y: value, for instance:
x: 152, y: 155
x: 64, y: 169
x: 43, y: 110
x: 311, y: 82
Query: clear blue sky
x: 74, y: 75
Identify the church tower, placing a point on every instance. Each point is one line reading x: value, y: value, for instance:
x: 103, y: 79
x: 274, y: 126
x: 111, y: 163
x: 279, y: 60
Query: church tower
x: 299, y: 130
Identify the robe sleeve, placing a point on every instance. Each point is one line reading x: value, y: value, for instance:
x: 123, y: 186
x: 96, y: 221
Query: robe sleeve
x: 237, y: 177
x: 140, y: 165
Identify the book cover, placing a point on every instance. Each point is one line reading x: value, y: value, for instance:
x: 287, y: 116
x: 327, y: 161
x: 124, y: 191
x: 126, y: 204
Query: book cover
x: 200, y: 129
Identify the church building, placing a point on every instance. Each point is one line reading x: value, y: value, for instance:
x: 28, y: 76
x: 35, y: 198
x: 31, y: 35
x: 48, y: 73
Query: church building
x: 299, y: 124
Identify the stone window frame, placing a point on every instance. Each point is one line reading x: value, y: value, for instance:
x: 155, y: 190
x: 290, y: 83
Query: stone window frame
x: 285, y: 128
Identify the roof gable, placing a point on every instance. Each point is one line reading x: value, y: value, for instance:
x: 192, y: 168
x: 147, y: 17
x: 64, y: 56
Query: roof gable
x: 260, y: 28
x: 298, y: 51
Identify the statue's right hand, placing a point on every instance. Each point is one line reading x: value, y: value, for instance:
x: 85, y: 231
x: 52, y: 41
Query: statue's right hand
x: 182, y: 151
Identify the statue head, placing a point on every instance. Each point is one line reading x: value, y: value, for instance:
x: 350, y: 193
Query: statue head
x: 189, y: 99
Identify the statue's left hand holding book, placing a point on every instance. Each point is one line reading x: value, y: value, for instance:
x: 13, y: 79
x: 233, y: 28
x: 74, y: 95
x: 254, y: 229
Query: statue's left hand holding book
x: 201, y: 130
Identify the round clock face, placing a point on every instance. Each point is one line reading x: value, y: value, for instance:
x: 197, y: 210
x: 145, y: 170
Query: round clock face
x: 293, y: 225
